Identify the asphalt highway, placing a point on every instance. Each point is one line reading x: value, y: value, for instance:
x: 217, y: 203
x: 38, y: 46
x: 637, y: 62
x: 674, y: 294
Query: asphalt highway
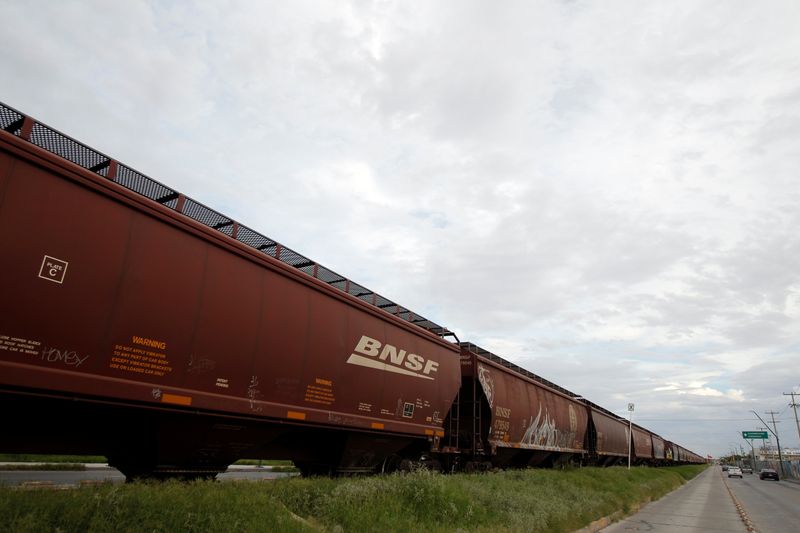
x: 772, y: 506
x: 712, y: 502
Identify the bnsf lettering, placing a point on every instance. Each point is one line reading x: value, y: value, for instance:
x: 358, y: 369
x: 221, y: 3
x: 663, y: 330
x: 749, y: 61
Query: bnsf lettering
x: 504, y: 412
x: 414, y: 362
x: 368, y: 346
x: 398, y: 357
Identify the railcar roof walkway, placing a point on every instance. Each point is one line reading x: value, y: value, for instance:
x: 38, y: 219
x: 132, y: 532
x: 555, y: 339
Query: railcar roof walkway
x: 703, y: 504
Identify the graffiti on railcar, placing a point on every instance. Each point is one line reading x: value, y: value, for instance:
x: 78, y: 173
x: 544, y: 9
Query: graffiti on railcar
x: 543, y: 431
x: 486, y: 381
x: 254, y: 394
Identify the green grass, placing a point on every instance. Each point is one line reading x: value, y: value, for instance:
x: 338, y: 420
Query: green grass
x: 520, y: 500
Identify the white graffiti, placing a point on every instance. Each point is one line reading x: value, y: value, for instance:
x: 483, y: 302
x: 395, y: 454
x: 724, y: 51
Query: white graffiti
x: 67, y: 357
x: 543, y: 431
x: 485, y: 378
x: 253, y: 394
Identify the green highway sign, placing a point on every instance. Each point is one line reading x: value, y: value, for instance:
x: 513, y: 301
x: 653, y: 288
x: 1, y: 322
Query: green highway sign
x: 754, y: 435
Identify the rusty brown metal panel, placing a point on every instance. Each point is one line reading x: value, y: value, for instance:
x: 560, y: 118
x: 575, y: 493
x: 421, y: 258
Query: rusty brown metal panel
x: 129, y: 304
x: 181, y: 203
x: 642, y: 443
x: 612, y: 435
x: 27, y: 128
x: 61, y: 258
x: 276, y: 377
x: 157, y: 306
x: 526, y: 414
x: 658, y: 447
x: 683, y: 456
x: 71, y: 155
x: 223, y: 342
x: 112, y: 170
x: 6, y: 164
x: 467, y: 363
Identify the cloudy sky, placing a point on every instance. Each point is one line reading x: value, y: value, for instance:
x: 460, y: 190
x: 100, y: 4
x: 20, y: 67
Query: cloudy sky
x: 605, y: 193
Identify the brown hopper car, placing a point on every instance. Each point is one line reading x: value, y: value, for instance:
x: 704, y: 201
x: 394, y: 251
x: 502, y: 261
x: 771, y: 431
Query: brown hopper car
x: 611, y: 436
x: 671, y: 451
x: 513, y: 417
x: 642, y: 444
x: 658, y: 448
x: 218, y: 347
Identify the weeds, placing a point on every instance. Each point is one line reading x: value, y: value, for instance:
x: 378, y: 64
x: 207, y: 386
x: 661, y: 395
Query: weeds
x: 520, y: 500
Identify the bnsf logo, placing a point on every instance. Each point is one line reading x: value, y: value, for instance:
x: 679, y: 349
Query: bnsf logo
x: 368, y: 353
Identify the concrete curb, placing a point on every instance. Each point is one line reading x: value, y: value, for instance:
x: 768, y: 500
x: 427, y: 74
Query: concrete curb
x: 739, y: 507
x: 602, y: 523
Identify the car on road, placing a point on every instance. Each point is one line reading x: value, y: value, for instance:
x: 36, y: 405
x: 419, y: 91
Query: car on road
x: 768, y: 473
x: 724, y: 468
x: 734, y: 471
x: 747, y: 470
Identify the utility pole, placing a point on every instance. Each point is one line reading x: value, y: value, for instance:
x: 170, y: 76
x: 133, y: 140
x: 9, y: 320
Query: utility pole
x: 763, y: 441
x: 777, y: 439
x: 793, y: 405
x: 753, y: 450
x: 630, y: 432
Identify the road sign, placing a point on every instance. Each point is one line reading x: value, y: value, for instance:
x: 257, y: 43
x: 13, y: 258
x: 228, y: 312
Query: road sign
x: 754, y: 435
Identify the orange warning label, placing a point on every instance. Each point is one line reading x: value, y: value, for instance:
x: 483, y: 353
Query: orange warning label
x: 148, y: 360
x: 321, y: 392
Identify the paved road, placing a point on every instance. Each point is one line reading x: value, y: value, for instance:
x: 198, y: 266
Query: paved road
x: 61, y: 477
x: 772, y: 506
x: 703, y: 504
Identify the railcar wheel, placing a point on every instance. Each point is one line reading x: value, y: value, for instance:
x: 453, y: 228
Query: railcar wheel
x: 391, y: 464
x: 308, y: 469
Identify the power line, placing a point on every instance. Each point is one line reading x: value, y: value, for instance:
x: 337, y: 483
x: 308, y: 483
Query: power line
x: 695, y: 419
x: 793, y: 405
x: 777, y: 439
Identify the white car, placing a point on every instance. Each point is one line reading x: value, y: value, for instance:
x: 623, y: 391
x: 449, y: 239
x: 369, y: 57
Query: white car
x: 734, y: 471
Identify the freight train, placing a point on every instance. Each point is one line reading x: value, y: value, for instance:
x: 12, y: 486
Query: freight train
x: 141, y: 325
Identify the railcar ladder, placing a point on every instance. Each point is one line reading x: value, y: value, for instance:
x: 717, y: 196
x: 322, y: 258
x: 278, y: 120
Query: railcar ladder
x: 477, y: 442
x: 455, y: 423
